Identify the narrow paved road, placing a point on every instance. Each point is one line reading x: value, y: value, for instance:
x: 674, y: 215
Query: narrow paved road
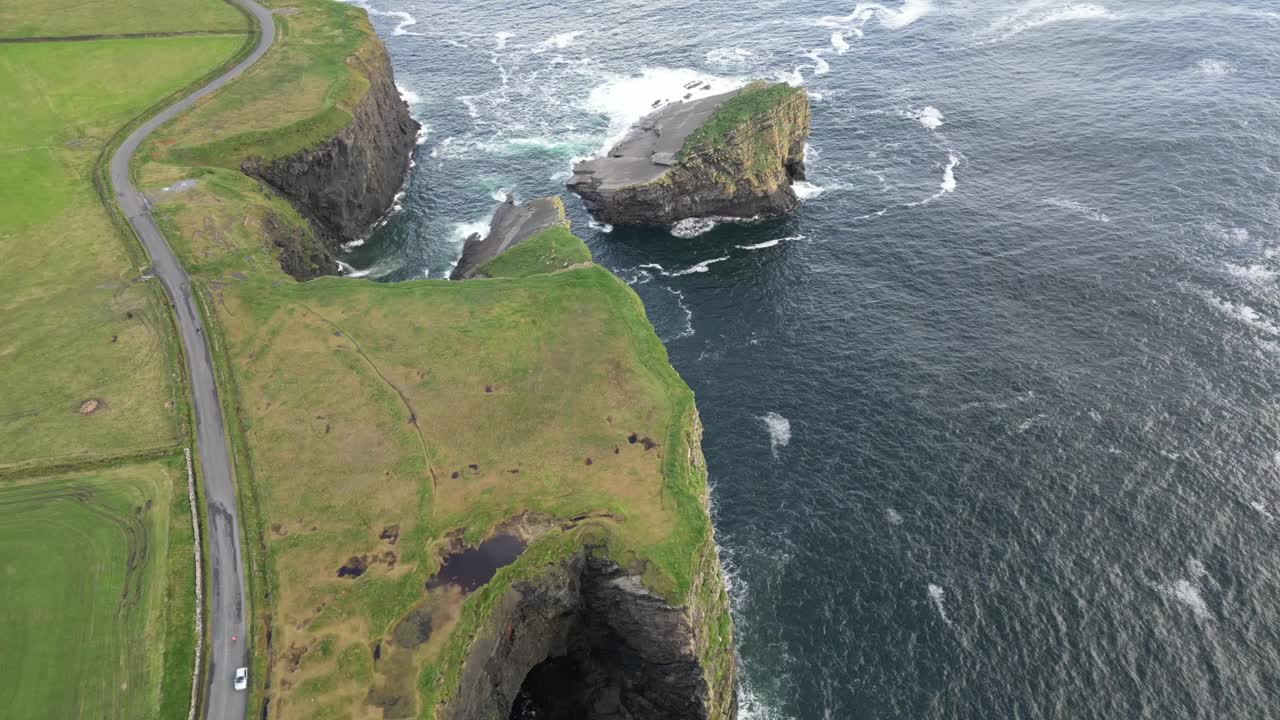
x: 225, y: 598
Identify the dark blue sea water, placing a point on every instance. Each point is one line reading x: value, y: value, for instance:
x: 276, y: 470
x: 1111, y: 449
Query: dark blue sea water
x: 992, y: 419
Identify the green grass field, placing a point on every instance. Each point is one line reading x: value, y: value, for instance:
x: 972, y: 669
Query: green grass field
x: 62, y: 18
x: 77, y: 325
x: 97, y: 608
x: 85, y: 614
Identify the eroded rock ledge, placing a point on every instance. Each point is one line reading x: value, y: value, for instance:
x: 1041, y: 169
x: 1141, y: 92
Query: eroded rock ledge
x: 586, y: 640
x: 345, y: 184
x: 730, y: 155
x: 512, y: 224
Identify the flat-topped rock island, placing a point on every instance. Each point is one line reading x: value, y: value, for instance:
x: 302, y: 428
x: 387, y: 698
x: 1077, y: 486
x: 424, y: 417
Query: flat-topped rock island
x: 735, y: 154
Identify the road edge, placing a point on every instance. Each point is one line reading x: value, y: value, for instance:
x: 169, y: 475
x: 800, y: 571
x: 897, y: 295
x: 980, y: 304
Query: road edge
x: 113, y: 170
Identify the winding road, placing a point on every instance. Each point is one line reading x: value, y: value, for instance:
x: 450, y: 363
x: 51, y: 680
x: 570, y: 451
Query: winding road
x: 225, y: 598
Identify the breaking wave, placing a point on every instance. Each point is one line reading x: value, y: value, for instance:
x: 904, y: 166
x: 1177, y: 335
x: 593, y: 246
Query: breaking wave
x: 1077, y: 207
x: 779, y: 429
x: 937, y: 596
x: 909, y: 12
x: 930, y: 117
x: 1017, y: 23
x: 559, y: 41
x: 770, y: 243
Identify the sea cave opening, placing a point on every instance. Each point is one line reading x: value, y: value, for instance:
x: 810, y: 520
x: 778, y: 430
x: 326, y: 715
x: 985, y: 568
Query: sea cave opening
x: 617, y: 652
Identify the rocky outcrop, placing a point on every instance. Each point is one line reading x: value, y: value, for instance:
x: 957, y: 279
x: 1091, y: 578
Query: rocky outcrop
x: 586, y: 640
x: 512, y: 224
x: 345, y: 184
x: 730, y: 155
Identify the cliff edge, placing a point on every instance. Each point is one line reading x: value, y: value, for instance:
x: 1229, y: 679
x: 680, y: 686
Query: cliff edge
x: 730, y: 155
x: 343, y: 185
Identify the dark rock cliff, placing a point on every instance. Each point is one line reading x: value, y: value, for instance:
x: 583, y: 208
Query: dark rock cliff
x: 345, y: 184
x: 587, y: 641
x: 730, y: 155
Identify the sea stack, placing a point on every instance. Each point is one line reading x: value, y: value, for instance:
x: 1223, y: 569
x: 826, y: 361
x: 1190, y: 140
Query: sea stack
x: 512, y: 224
x: 730, y: 155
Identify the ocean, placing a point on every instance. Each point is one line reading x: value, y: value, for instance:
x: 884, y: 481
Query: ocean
x: 992, y: 419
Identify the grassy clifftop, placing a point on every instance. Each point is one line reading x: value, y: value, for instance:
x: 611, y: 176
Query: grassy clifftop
x: 300, y: 94
x: 380, y: 427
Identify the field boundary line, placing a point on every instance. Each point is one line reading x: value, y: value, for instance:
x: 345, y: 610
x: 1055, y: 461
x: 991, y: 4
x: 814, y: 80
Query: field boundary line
x: 51, y: 469
x: 195, y: 529
x: 119, y: 36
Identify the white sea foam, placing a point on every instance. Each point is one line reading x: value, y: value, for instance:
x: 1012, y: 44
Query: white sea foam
x: 838, y: 43
x: 909, y: 12
x: 373, y: 272
x: 1195, y: 568
x: 693, y: 227
x: 779, y: 429
x: 624, y: 99
x: 501, y: 38
x: 1077, y: 207
x: 1244, y: 314
x: 1261, y: 507
x: 688, y: 330
x: 559, y: 41
x: 806, y: 190
x: 462, y: 231
x: 1017, y: 23
x: 1214, y: 67
x: 1185, y: 592
x: 500, y: 194
x: 1253, y: 274
x: 937, y: 596
x: 930, y: 117
x: 599, y: 226
x: 407, y: 95
x: 704, y: 266
x: 770, y: 243
x: 893, y: 517
x: 949, y: 174
x: 406, y: 20
x: 729, y: 57
x: 820, y: 66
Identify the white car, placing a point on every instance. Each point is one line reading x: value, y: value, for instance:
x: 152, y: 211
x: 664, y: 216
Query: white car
x: 242, y: 678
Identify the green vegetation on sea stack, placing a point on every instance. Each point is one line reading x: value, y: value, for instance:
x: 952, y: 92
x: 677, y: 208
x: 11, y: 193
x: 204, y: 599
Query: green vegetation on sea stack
x: 755, y: 100
x: 550, y: 250
x: 88, y: 626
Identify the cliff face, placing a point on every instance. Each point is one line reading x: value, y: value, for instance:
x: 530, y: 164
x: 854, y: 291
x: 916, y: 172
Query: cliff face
x: 731, y: 155
x: 345, y: 184
x: 586, y: 640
